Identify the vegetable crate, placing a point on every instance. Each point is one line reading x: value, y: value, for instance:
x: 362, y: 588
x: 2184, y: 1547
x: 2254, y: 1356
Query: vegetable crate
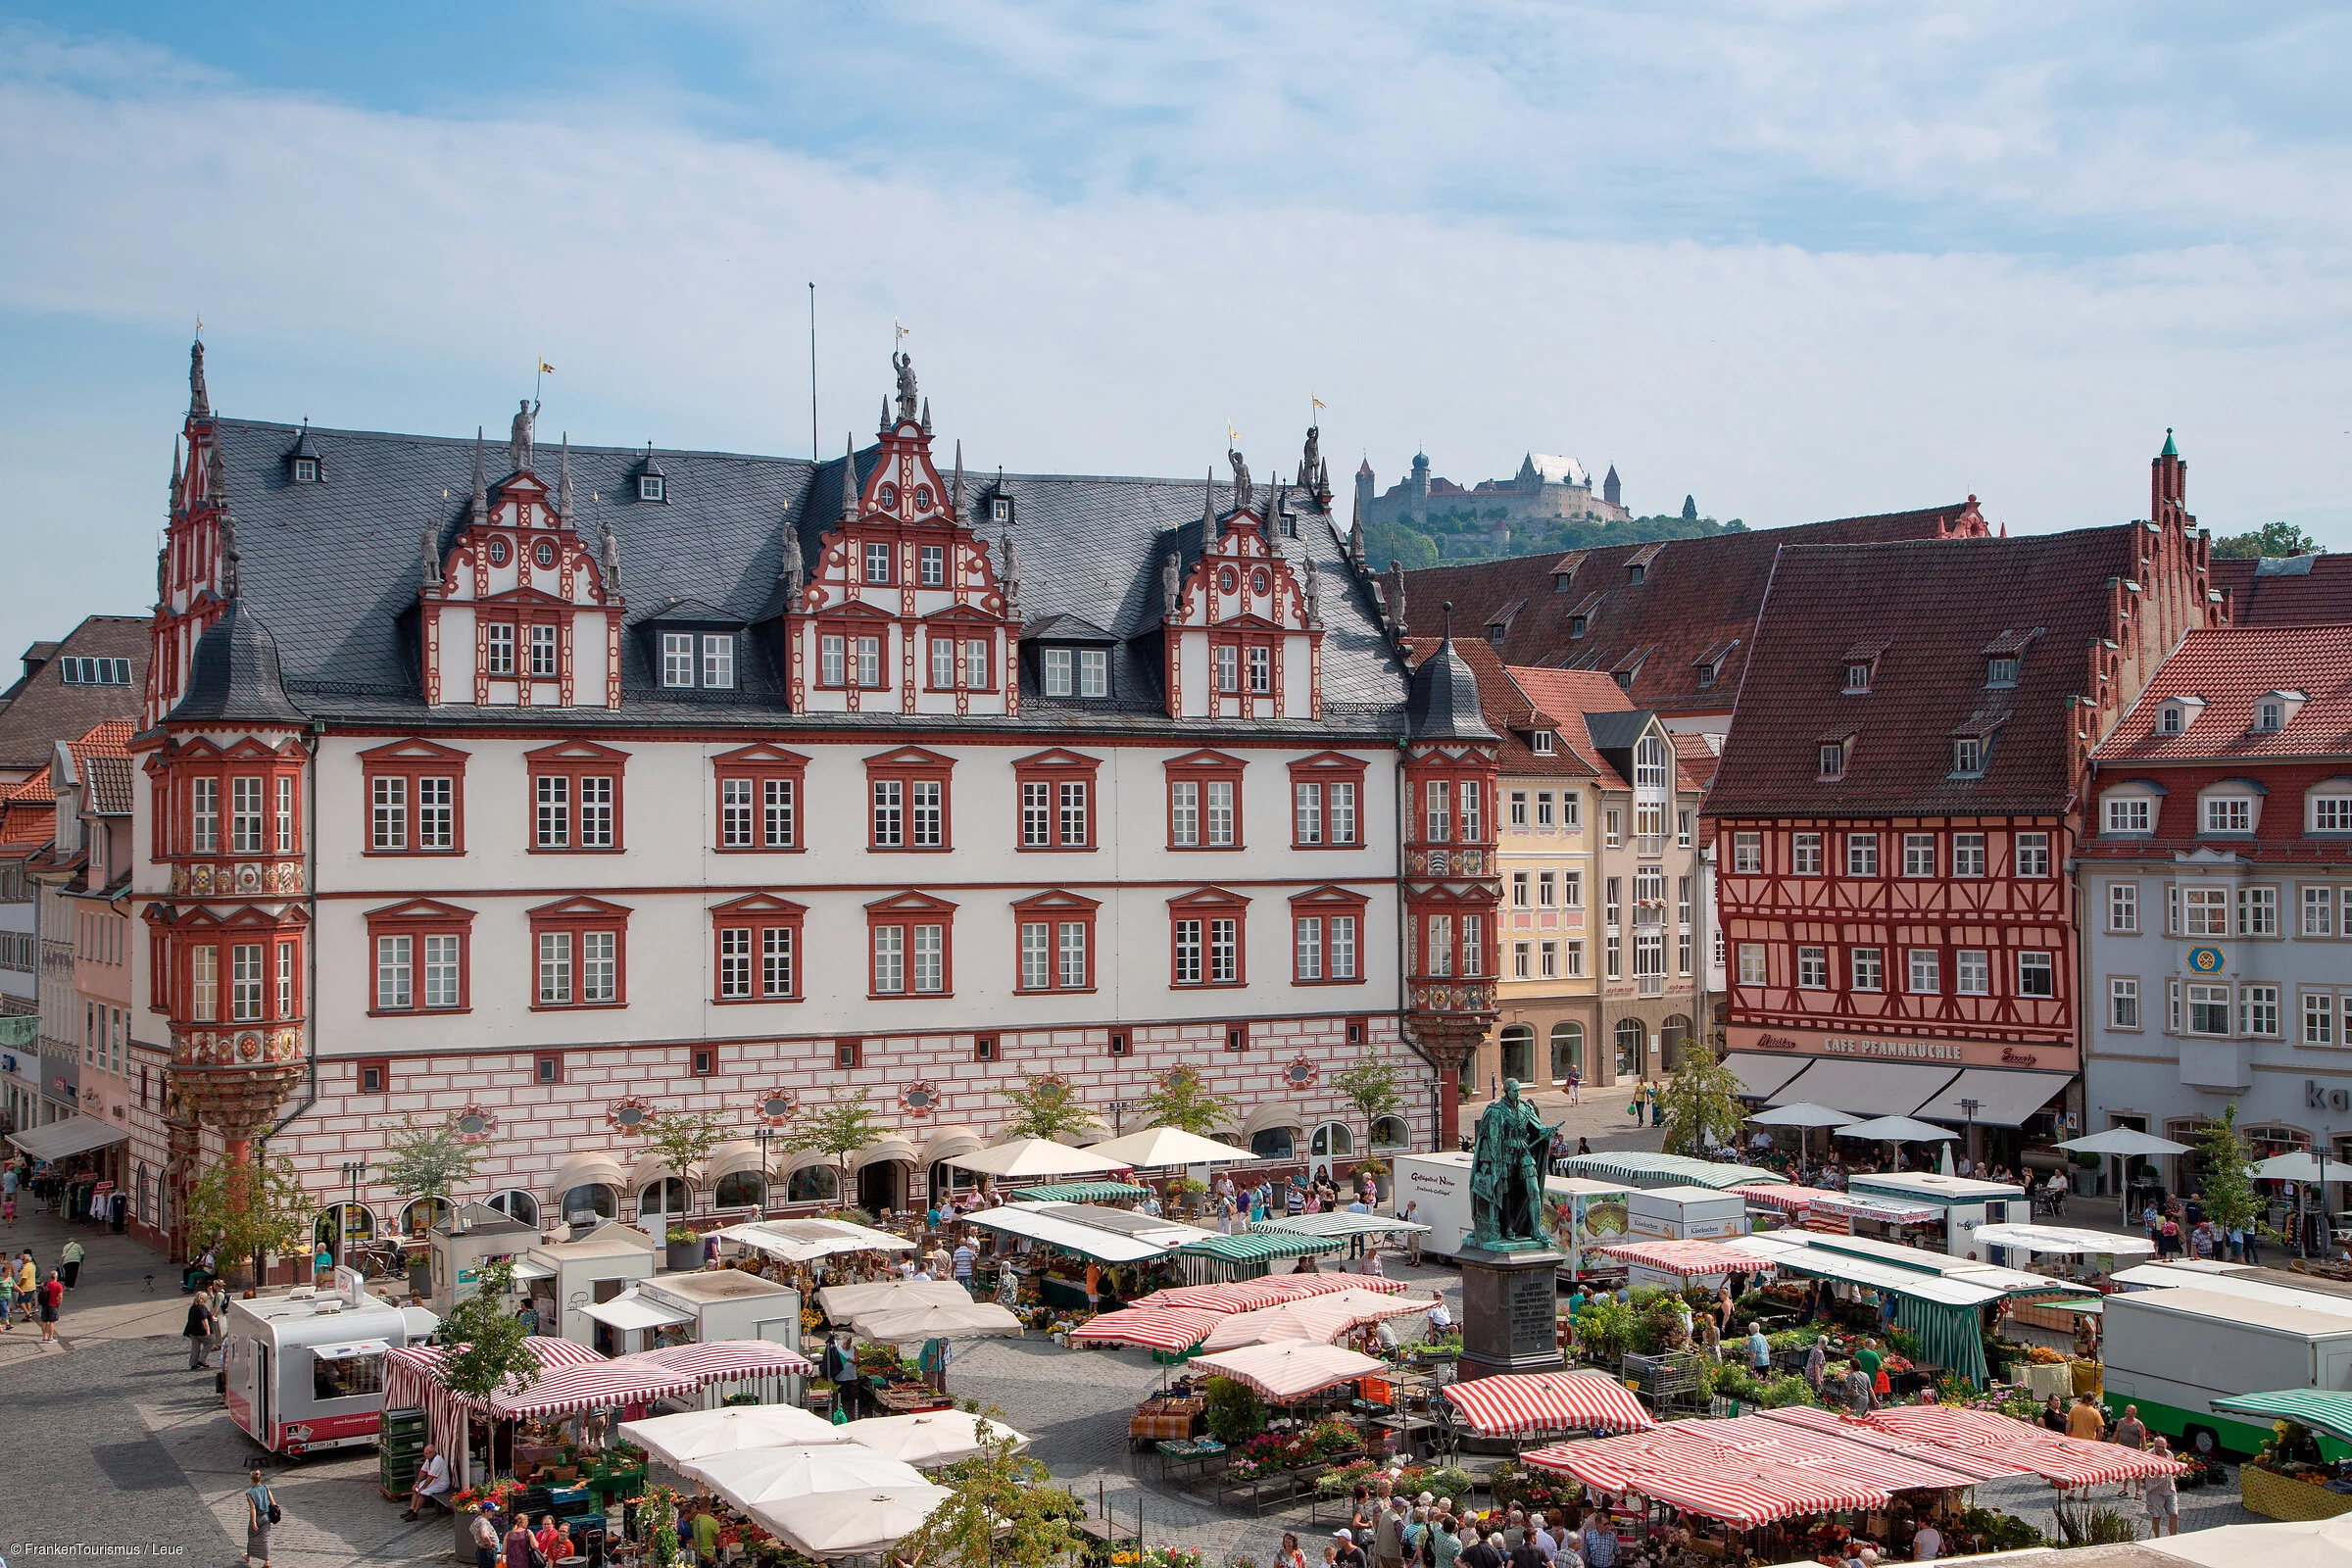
x: 400, y: 1448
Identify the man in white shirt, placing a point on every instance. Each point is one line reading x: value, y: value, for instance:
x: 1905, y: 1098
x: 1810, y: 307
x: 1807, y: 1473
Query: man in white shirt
x: 1441, y: 1319
x: 432, y: 1482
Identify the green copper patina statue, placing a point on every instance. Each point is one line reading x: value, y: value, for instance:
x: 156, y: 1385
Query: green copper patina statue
x: 1506, y: 1175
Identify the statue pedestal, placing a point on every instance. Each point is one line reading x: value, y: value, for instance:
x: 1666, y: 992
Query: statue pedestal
x: 1510, y: 1306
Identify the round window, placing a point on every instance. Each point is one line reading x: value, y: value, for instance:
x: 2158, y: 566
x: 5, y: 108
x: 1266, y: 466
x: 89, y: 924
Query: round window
x: 1227, y: 580
x: 922, y: 498
x: 473, y: 1124
x: 887, y: 498
x: 919, y: 1099
x: 545, y: 553
x: 1260, y: 581
x: 630, y: 1116
x: 778, y: 1107
x: 1300, y: 1073
x: 498, y: 552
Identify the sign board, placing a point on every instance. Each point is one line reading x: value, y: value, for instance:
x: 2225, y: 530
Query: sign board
x: 2205, y: 960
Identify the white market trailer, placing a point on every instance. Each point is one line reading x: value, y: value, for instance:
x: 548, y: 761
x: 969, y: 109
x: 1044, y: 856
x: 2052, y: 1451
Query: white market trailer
x: 2173, y: 1352
x: 1685, y: 1215
x: 304, y: 1368
x: 1965, y: 1202
x: 1437, y: 1187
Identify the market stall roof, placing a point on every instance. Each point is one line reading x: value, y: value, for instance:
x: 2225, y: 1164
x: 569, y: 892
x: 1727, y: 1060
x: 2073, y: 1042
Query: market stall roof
x: 67, y: 1137
x: 1243, y: 1295
x: 1898, y: 1130
x: 1521, y: 1403
x: 1323, y: 1319
x: 1036, y: 1157
x: 751, y: 1478
x: 1160, y: 1146
x: 932, y: 1438
x: 1290, y: 1371
x: 1934, y: 1186
x: 2060, y: 1241
x: 1338, y: 1223
x: 2060, y: 1460
x: 1802, y: 1113
x: 827, y: 1525
x: 2317, y: 1408
x: 1154, y: 1328
x: 525, y: 1268
x: 1790, y: 1198
x: 597, y: 1385
x: 1760, y: 1072
x: 939, y: 1320
x: 2124, y: 1141
x: 1914, y: 1271
x: 1087, y: 1240
x: 1142, y: 1227
x: 1865, y: 1086
x: 726, y: 1360
x: 844, y: 1302
x: 1259, y: 1247
x: 1956, y: 1461
x: 1082, y: 1193
x: 1643, y: 1169
x: 801, y: 1240
x: 690, y: 1435
x: 633, y: 1309
x: 2005, y: 1097
x: 1689, y: 1258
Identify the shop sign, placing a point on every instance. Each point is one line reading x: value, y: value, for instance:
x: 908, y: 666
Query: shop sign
x: 2205, y: 960
x: 1904, y: 1050
x: 2319, y: 1096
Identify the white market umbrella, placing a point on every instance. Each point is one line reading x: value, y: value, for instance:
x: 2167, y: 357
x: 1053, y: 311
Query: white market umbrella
x: 846, y: 1303
x: 1158, y: 1147
x: 933, y: 1437
x: 1290, y: 1371
x: 1027, y: 1157
x: 2300, y: 1167
x: 1319, y: 1319
x: 1944, y: 1165
x: 966, y: 1319
x: 1898, y: 1130
x: 1803, y: 1113
x: 679, y: 1439
x: 2059, y: 1241
x: 767, y: 1476
x: 2125, y: 1141
x: 2303, y: 1543
x: 851, y: 1524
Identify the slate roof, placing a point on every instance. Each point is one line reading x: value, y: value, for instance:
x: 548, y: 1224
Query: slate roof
x: 333, y: 571
x: 1935, y: 607
x: 1695, y: 594
x: 2232, y: 667
x: 1443, y: 698
x: 2285, y: 591
x: 1512, y: 714
x: 41, y: 708
x: 233, y: 674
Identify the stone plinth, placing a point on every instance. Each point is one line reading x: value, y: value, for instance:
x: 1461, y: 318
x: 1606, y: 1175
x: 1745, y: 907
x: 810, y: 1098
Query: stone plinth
x: 1509, y: 1312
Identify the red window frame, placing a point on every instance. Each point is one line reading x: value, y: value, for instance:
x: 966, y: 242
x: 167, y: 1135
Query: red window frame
x: 1207, y: 904
x: 1052, y: 771
x: 963, y: 631
x: 909, y: 766
x: 541, y: 1061
x: 906, y: 910
x: 360, y: 1069
x: 412, y: 760
x: 1202, y: 769
x: 1460, y: 911
x: 1322, y: 904
x: 1324, y: 769
x: 759, y: 765
x: 758, y: 914
x: 578, y: 917
x: 417, y: 919
x: 174, y: 774
x: 1243, y: 642
x: 1423, y: 772
x: 574, y: 760
x: 848, y: 1054
x: 846, y: 626
x: 1055, y: 908
x: 522, y: 610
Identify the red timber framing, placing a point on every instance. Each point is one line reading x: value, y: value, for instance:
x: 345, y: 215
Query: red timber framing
x: 1955, y: 926
x: 1053, y: 943
x: 1327, y: 802
x: 416, y: 798
x: 1056, y: 796
x: 761, y: 792
x: 755, y: 946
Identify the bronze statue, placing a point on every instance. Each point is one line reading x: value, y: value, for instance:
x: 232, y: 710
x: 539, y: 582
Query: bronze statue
x: 518, y: 439
x: 1506, y: 1175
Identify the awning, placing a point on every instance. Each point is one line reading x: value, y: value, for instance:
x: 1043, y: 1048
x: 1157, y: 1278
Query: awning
x: 349, y: 1353
x: 1933, y: 1277
x: 2004, y: 1098
x: 1156, y: 1229
x: 1247, y: 1295
x: 632, y: 1310
x: 1082, y: 1193
x: 1865, y: 1085
x: 800, y: 1241
x: 2315, y: 1408
x: 1294, y: 1371
x: 526, y: 1269
x: 1259, y: 1247
x: 1759, y: 1073
x: 726, y: 1360
x: 1792, y: 1200
x: 1691, y: 1259
x: 585, y: 1170
x: 1338, y: 1223
x: 1641, y: 1169
x: 1166, y: 1329
x: 1103, y: 1247
x: 73, y: 1135
x: 889, y: 1149
x: 1519, y: 1404
x: 731, y: 1158
x: 2060, y: 1460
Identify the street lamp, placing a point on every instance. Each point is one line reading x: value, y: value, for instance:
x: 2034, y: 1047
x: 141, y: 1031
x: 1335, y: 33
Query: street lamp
x: 353, y: 1170
x: 760, y: 1134
x: 1972, y: 1107
x: 1119, y: 1110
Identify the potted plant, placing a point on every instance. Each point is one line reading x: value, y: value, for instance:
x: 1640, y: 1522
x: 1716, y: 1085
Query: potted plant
x: 683, y: 1248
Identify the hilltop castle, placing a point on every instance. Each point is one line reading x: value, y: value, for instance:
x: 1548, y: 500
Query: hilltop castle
x: 1546, y: 489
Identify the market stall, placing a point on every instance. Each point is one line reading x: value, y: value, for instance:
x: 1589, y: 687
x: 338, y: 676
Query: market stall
x: 563, y: 1279
x: 933, y: 1437
x: 1529, y: 1405
x: 754, y: 1478
x: 2297, y: 1474
x: 711, y: 1304
x: 1964, y: 1202
x: 842, y: 1303
x: 831, y: 1525
x: 1836, y: 1213
x: 1280, y: 1373
x: 1069, y: 1261
x: 1322, y: 1319
x: 1234, y: 1259
x: 1243, y: 1295
x: 1357, y: 1232
x: 803, y: 1240
x: 2065, y: 1462
x: 1082, y: 1193
x: 1680, y: 1263
x: 690, y: 1435
x: 1169, y: 1331
x: 1638, y: 1168
x: 1029, y: 1158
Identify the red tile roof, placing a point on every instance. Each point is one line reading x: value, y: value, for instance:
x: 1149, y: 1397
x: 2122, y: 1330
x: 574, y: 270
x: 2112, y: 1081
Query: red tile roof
x: 1936, y: 609
x: 41, y: 710
x: 1699, y: 760
x: 1567, y: 696
x: 2299, y: 590
x: 2232, y: 667
x: 1513, y: 713
x: 1697, y: 597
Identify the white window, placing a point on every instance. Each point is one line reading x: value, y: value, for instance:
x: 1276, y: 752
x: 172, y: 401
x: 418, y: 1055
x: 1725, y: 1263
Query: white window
x: 388, y: 813
x: 1576, y: 958
x: 1184, y: 813
x: 718, y: 661
x: 930, y: 957
x: 2001, y: 670
x: 1548, y: 890
x: 1805, y: 851
x: 1857, y: 676
x: 1220, y: 813
x: 925, y: 821
x: 1747, y: 852
x: 2036, y: 976
x: 1520, y: 960
x: 285, y: 816
x: 1813, y: 968
x: 1517, y: 817
x: 1070, y: 952
x: 1861, y: 854
x: 1474, y: 817
x: 553, y: 817
x: 1543, y: 818
x: 1440, y: 796
x: 1968, y: 855
x: 440, y: 969
x: 1093, y: 672
x: 2122, y: 907
x: 2128, y: 813
x: 1308, y: 929
x: 1919, y: 855
x: 393, y: 972
x: 2318, y: 912
x: 245, y: 816
x: 285, y: 983
x: 245, y: 982
x: 2319, y: 1018
x: 934, y: 566
x: 734, y: 962
x: 735, y: 813
x: 543, y: 653
x: 2229, y: 813
x: 600, y: 969
x: 1869, y: 972
x: 1343, y: 947
x: 877, y: 562
x: 555, y: 968
x: 1613, y: 950
x: 832, y: 666
x: 498, y: 654
x: 1613, y: 826
x: 978, y: 661
x: 1343, y: 812
x: 943, y: 662
x: 890, y: 959
x: 869, y: 660
x: 1543, y: 742
x: 1968, y: 756
x: 1924, y: 977
x: 2032, y: 855
x: 2257, y: 912
x: 1682, y: 830
x: 2207, y: 1009
x: 776, y: 807
x: 1972, y: 973
x: 2123, y: 1002
x: 1520, y: 896
x: 2331, y: 813
x: 1833, y: 760
x: 2258, y: 1010
x: 2168, y: 722
x: 2269, y: 716
x: 1306, y: 813
x: 1229, y: 668
x: 1572, y: 884
x: 1261, y: 669
x: 650, y: 486
x: 1073, y: 813
x: 1751, y: 963
x: 1440, y: 945
x: 596, y: 813
x: 775, y: 959
x: 890, y: 813
x: 1224, y: 951
x: 1057, y: 665
x: 2204, y: 912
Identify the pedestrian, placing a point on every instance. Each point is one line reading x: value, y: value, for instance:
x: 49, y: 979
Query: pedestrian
x: 1444, y: 1542
x: 2085, y: 1420
x: 1817, y: 1365
x: 199, y: 1328
x: 2131, y: 1433
x: 260, y: 1513
x: 29, y: 1284
x: 1412, y: 1238
x: 53, y: 1296
x: 1527, y: 1554
x: 485, y: 1540
x: 1635, y: 1105
x: 1388, y: 1539
x: 2161, y: 1497
x: 518, y: 1543
x: 68, y: 1261
x: 1857, y: 1389
x: 1576, y: 1085
x: 2053, y: 1415
x: 1760, y: 1348
x: 432, y: 1482
x: 2246, y: 1244
x: 1601, y: 1542
x: 1351, y: 1555
x: 1289, y: 1556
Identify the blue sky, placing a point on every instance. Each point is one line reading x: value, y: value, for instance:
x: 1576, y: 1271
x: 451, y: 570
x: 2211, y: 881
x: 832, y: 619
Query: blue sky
x: 1803, y: 259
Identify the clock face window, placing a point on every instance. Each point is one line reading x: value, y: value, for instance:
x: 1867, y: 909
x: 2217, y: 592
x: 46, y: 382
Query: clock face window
x: 498, y: 552
x: 1260, y: 581
x: 545, y: 555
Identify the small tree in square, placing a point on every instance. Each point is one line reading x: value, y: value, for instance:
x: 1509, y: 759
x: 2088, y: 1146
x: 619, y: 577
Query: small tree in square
x: 1181, y: 1100
x: 1369, y: 1084
x: 430, y: 1161
x: 686, y: 1139
x: 2223, y: 1187
x: 1701, y: 1106
x: 839, y: 1128
x: 1046, y: 1105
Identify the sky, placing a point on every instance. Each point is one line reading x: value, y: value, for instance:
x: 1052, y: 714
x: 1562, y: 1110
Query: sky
x: 1798, y: 258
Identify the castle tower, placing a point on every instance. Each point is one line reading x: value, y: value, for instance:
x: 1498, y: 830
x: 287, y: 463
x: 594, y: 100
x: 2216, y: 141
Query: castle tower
x: 1609, y: 490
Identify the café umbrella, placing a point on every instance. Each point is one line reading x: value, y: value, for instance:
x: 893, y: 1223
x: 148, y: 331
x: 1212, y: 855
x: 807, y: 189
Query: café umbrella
x: 1159, y: 1147
x: 756, y: 1477
x: 849, y: 1524
x: 932, y: 1436
x: 690, y: 1435
x: 1027, y: 1157
x: 1898, y: 1130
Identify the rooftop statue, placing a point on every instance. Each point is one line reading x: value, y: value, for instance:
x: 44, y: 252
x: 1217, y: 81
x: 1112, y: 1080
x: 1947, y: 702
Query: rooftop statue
x: 518, y: 439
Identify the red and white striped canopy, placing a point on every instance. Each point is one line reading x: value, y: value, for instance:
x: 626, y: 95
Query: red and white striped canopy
x: 1829, y: 1424
x: 1690, y: 1259
x: 412, y: 1380
x: 1247, y: 1296
x: 1325, y: 1319
x: 724, y: 1361
x: 1290, y: 1371
x: 2060, y: 1460
x: 1790, y: 1198
x: 1519, y: 1403
x: 574, y: 1389
x: 1169, y: 1329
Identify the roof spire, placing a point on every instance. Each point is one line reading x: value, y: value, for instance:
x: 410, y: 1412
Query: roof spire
x: 564, y: 481
x: 179, y: 477
x: 2170, y: 450
x: 849, y: 476
x: 479, y: 511
x: 1208, y: 512
x: 199, y: 403
x: 884, y: 427
x: 1449, y: 633
x: 926, y: 416
x: 955, y: 486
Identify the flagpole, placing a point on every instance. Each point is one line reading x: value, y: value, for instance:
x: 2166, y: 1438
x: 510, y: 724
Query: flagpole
x: 814, y: 456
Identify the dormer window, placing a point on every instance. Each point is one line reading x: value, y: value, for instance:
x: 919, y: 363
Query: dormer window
x: 2000, y: 670
x: 1541, y: 743
x: 2169, y: 723
x: 1635, y: 574
x: 2269, y: 716
x: 1077, y: 671
x: 1625, y: 681
x: 306, y: 470
x: 2179, y: 713
x: 652, y: 487
x: 1967, y: 756
x: 1575, y: 625
x: 1496, y: 630
x: 1706, y: 675
x: 1857, y: 677
x: 1833, y: 760
x: 691, y: 661
x: 1000, y: 508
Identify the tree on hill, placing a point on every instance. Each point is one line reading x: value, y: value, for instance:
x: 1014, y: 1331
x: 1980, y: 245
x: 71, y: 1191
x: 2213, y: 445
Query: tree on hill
x: 1689, y: 509
x: 2272, y: 539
